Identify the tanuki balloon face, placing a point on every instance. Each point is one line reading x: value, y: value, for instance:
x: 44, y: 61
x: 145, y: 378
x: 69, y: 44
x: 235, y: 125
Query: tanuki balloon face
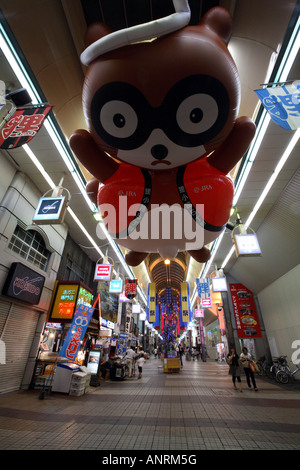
x: 162, y: 104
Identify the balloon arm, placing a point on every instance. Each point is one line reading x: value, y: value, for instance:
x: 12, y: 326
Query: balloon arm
x: 100, y: 165
x: 227, y: 155
x: 92, y: 188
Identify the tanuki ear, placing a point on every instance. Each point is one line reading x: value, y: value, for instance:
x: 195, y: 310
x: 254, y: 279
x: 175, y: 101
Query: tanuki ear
x: 220, y: 21
x: 96, y: 31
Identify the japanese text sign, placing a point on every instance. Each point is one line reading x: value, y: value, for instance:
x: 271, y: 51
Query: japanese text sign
x: 76, y: 332
x: 23, y: 126
x: 283, y: 104
x: 244, y: 310
x: 130, y: 288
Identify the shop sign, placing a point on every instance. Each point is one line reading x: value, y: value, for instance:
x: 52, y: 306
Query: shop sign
x: 283, y: 104
x: 245, y: 313
x: 199, y: 313
x: 123, y: 298
x: 103, y: 272
x: 206, y: 303
x: 203, y: 288
x: 136, y: 308
x: 151, y: 303
x: 219, y: 284
x: 184, y: 303
x: 67, y: 296
x: 116, y: 286
x: 130, y: 288
x: 23, y: 126
x: 246, y: 245
x: 76, y: 332
x: 50, y: 210
x: 107, y: 323
x: 22, y: 283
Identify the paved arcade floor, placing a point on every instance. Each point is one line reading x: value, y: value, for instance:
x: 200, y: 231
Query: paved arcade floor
x: 196, y: 409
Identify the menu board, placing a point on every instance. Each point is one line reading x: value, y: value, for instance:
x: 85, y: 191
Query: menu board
x: 245, y: 313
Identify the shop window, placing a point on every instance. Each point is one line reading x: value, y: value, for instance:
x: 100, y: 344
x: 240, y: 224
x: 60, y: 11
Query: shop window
x: 30, y: 245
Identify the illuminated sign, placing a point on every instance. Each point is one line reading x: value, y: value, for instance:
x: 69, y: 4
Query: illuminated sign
x: 246, y: 245
x: 67, y: 296
x: 24, y: 284
x: 199, y: 313
x: 123, y: 298
x: 50, y: 210
x: 206, y: 303
x: 116, y: 286
x: 219, y: 284
x: 103, y: 272
x: 136, y: 308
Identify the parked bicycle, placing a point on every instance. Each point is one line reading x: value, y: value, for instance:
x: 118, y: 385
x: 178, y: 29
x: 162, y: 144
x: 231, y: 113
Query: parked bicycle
x: 285, y: 375
x: 263, y: 365
x: 279, y: 364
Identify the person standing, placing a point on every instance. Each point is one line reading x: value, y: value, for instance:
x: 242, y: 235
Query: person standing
x: 130, y: 357
x: 234, y: 368
x: 245, y: 359
x: 180, y: 350
x: 140, y: 363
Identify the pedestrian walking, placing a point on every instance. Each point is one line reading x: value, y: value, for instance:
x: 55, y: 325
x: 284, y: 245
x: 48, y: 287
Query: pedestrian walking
x: 234, y: 368
x: 245, y: 359
x: 181, y: 351
x: 140, y: 362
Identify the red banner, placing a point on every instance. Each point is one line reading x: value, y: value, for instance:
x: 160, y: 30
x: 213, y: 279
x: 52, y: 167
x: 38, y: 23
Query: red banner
x: 245, y: 313
x: 130, y: 288
x: 23, y: 126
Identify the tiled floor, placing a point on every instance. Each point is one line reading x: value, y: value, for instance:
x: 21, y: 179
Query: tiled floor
x: 196, y: 409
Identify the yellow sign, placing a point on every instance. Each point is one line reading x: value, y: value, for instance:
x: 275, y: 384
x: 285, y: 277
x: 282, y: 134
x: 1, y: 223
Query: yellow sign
x: 185, y: 302
x: 66, y: 297
x: 152, y: 302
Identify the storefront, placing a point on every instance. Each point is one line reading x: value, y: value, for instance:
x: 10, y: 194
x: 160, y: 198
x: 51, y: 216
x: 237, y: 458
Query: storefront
x: 20, y: 322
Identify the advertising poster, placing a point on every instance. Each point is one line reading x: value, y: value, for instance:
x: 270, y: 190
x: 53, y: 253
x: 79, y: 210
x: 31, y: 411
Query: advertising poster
x: 109, y: 303
x: 245, y: 314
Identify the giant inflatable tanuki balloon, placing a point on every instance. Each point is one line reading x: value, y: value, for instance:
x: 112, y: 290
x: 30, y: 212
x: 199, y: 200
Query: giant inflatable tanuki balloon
x: 163, y: 132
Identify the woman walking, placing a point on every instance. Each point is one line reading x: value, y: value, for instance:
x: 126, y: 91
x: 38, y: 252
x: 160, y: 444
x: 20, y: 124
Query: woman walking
x: 245, y: 359
x: 234, y: 368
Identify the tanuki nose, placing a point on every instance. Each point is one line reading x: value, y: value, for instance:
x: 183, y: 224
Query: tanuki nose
x: 159, y: 151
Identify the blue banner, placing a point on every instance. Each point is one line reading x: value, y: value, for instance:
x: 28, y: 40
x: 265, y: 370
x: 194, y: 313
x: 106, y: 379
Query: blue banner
x: 76, y: 332
x: 203, y: 288
x: 283, y: 104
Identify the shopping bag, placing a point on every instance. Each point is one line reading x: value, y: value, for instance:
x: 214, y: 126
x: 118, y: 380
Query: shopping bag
x: 253, y: 366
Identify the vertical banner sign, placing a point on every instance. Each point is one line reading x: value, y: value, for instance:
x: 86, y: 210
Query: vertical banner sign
x: 76, y: 332
x: 245, y: 313
x: 184, y: 302
x: 23, y: 126
x: 130, y: 288
x: 151, y: 307
x: 283, y: 104
x: 203, y: 288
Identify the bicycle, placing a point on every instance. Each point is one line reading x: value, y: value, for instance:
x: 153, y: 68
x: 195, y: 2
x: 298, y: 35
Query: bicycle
x: 278, y: 364
x: 263, y: 365
x: 284, y: 376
